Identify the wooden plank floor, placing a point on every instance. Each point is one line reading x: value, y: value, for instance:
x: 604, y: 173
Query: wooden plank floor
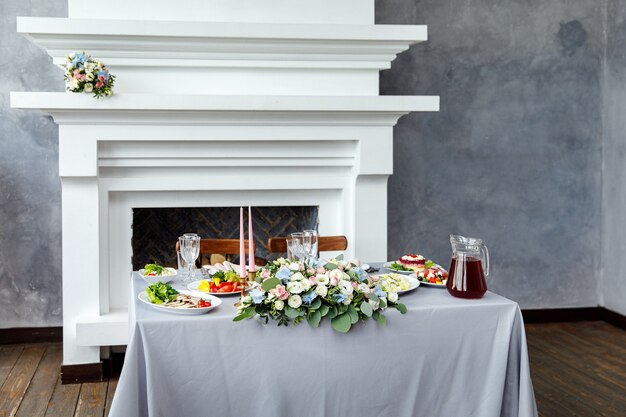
x: 578, y: 369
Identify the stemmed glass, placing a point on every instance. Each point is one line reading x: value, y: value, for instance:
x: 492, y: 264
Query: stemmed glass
x: 189, y: 250
x: 311, y: 239
x: 295, y: 246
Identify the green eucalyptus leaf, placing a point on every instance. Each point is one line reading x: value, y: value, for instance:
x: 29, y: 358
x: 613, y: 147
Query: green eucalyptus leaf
x: 270, y: 283
x: 366, y: 309
x: 339, y: 257
x: 292, y: 313
x: 332, y: 313
x: 324, y: 310
x: 383, y: 303
x: 354, y: 315
x: 401, y: 308
x: 341, y: 323
x: 373, y: 297
x: 330, y: 266
x: 316, y: 304
x: 382, y: 320
x: 315, y: 318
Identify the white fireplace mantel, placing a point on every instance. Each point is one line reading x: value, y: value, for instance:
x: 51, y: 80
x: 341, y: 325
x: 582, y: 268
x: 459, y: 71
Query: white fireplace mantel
x: 218, y: 103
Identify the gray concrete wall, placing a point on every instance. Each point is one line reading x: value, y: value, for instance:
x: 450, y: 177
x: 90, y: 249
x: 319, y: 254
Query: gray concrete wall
x: 514, y: 155
x: 30, y: 191
x: 614, y: 173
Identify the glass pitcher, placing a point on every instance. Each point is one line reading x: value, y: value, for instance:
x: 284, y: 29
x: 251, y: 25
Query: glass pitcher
x: 469, y: 267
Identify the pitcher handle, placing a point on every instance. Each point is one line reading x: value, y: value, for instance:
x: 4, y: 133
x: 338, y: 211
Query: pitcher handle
x: 485, y: 255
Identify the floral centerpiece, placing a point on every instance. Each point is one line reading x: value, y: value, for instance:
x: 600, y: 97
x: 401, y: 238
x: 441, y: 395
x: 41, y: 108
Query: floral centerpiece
x: 86, y: 74
x: 314, y: 289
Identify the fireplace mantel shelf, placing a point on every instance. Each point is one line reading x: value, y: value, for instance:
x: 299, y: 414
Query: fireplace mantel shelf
x: 71, y: 108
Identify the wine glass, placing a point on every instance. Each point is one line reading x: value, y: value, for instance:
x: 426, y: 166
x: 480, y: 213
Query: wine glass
x: 189, y: 250
x: 313, y: 238
x: 300, y: 247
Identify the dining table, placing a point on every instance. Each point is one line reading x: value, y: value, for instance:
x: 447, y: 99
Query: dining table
x: 446, y: 356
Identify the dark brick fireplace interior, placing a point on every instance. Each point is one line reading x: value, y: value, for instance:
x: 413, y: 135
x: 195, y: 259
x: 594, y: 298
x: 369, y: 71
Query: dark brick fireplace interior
x: 156, y: 230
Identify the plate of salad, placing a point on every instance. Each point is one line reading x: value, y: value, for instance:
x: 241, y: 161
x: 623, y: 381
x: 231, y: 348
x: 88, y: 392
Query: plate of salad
x: 152, y: 273
x: 396, y: 266
x: 398, y: 283
x: 163, y: 297
x: 222, y: 281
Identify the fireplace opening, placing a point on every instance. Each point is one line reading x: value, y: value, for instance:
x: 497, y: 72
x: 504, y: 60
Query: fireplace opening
x: 156, y: 230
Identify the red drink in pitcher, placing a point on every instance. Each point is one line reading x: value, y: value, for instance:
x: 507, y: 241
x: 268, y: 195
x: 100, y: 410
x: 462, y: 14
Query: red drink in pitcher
x: 466, y: 277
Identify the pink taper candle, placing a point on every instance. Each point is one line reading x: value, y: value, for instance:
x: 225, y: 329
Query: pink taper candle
x: 242, y: 246
x: 251, y: 265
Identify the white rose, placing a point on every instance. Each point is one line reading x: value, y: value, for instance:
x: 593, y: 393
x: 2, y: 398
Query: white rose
x: 345, y: 276
x: 88, y: 87
x: 279, y: 305
x: 392, y: 296
x: 322, y: 279
x: 72, y: 84
x: 336, y: 274
x: 374, y: 304
x: 247, y: 299
x: 346, y: 287
x: 294, y: 266
x: 89, y: 76
x: 306, y: 284
x: 294, y: 301
x: 296, y: 277
x: 321, y: 290
x: 295, y: 287
x: 71, y: 56
x: 363, y: 287
x: 348, y: 300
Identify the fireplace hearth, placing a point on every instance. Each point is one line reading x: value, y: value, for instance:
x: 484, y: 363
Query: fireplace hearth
x: 156, y: 230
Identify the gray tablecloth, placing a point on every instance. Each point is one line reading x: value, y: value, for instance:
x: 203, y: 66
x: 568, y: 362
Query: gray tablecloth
x: 445, y: 357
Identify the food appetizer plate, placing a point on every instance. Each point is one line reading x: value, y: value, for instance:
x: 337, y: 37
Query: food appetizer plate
x: 151, y: 279
x: 412, y: 281
x: 215, y: 302
x: 193, y: 286
x: 388, y: 264
x: 429, y: 284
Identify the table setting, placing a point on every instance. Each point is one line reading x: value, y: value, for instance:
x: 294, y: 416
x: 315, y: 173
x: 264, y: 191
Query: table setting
x: 294, y: 337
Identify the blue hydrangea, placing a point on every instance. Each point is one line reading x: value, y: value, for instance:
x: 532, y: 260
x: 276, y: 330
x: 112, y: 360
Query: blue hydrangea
x: 257, y: 295
x: 320, y: 263
x: 79, y: 60
x: 359, y: 273
x: 379, y: 291
x: 309, y: 297
x: 340, y: 298
x: 104, y: 74
x: 283, y: 274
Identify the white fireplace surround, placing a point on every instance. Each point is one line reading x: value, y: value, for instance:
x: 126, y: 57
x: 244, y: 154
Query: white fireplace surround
x: 281, y: 112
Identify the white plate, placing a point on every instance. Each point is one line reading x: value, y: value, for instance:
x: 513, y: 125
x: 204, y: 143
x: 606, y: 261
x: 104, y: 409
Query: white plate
x: 215, y: 302
x: 158, y: 278
x: 429, y: 284
x: 386, y: 265
x: 193, y: 286
x: 413, y: 282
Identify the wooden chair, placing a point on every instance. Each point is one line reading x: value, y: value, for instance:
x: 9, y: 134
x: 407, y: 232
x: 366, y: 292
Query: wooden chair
x: 324, y: 244
x: 218, y: 250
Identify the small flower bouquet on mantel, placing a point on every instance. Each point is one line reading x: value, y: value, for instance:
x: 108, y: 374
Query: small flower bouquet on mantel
x: 84, y: 74
x: 314, y: 289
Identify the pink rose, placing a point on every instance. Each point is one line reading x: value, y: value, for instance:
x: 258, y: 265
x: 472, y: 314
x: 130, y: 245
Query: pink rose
x: 321, y: 270
x: 354, y: 284
x: 334, y: 281
x: 265, y: 273
x: 99, y: 84
x: 313, y: 280
x: 310, y: 271
x: 280, y: 292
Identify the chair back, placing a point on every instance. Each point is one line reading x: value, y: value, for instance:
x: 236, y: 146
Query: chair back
x: 325, y: 244
x: 225, y: 247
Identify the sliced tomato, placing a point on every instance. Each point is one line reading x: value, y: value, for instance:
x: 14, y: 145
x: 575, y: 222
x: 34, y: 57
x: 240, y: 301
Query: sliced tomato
x: 204, y: 303
x: 226, y: 288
